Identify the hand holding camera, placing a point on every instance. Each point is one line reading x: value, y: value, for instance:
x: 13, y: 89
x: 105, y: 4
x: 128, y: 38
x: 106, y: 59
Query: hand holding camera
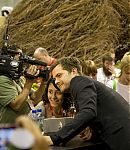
x: 32, y: 72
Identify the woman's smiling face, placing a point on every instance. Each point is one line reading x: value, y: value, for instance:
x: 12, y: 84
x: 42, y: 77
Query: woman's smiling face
x: 55, y: 97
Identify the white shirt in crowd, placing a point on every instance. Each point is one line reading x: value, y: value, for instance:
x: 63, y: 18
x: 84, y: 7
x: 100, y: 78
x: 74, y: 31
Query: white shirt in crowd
x: 101, y: 77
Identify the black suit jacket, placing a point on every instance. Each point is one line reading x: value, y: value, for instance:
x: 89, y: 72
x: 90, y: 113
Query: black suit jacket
x: 99, y: 107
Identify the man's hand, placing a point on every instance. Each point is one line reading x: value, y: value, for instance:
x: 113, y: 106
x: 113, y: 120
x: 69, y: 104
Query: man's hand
x: 32, y: 72
x: 86, y: 134
x: 112, y: 69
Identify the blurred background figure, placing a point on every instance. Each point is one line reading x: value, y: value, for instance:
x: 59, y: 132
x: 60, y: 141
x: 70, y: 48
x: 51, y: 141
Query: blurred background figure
x: 108, y: 71
x: 122, y: 84
x: 126, y: 56
x: 89, y: 69
x: 42, y: 55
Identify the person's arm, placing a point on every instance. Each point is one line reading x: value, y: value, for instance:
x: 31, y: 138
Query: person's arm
x: 84, y: 94
x: 17, y: 103
x: 41, y: 142
x: 36, y: 96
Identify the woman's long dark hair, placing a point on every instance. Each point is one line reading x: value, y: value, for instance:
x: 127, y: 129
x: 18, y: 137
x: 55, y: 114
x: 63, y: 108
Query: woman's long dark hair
x: 67, y: 99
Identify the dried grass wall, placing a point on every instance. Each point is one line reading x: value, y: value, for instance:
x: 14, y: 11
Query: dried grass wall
x: 86, y: 29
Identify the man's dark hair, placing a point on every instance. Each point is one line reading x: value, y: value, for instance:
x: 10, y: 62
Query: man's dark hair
x: 68, y: 63
x: 107, y: 58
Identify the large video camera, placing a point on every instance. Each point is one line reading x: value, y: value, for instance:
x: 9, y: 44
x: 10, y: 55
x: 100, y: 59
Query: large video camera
x: 13, y: 68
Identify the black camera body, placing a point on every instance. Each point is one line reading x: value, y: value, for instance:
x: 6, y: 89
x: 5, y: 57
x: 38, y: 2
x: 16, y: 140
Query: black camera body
x: 10, y: 67
x: 14, y: 69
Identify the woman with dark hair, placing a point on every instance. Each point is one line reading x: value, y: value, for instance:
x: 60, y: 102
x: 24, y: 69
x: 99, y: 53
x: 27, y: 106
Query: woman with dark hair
x: 55, y: 103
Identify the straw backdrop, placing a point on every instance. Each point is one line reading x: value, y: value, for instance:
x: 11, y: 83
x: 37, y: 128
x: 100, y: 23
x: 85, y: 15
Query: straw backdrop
x: 87, y: 29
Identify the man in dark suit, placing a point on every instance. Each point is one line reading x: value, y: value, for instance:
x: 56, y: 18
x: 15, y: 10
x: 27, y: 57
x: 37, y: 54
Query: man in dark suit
x: 98, y: 106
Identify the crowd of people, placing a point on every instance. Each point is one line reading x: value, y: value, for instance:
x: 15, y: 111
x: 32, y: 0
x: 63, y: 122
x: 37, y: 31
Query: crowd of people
x: 74, y: 89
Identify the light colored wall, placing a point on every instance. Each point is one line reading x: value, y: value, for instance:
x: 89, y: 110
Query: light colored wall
x: 11, y: 3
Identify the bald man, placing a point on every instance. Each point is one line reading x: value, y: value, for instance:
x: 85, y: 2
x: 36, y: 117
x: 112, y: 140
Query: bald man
x: 42, y: 55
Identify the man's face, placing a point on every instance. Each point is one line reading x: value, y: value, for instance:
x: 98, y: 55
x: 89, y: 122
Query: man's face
x: 63, y: 77
x: 107, y: 65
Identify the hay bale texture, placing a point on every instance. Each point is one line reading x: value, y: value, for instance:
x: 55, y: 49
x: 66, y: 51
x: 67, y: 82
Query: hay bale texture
x: 86, y: 29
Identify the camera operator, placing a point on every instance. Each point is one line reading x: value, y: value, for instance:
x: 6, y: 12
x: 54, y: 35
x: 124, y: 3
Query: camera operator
x: 14, y: 94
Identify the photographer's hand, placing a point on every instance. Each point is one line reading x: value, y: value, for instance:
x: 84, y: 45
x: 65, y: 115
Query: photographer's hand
x: 18, y: 102
x: 32, y: 72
